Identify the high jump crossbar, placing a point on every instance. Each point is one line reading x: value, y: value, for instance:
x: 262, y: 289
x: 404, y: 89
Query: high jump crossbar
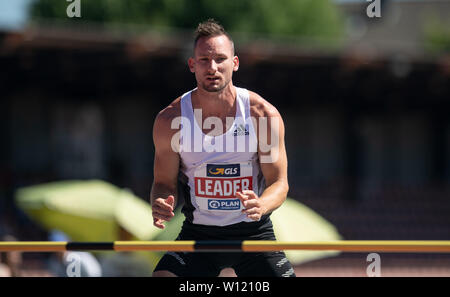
x: 404, y: 246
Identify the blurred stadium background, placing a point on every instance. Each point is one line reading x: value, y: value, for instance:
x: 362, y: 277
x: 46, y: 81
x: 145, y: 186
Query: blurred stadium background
x: 366, y: 103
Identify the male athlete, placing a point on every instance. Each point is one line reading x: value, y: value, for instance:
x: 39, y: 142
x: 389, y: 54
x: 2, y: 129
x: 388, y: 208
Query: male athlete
x: 208, y: 151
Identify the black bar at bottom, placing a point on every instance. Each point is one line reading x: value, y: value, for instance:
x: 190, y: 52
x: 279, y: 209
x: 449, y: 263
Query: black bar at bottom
x: 214, y: 245
x: 90, y: 246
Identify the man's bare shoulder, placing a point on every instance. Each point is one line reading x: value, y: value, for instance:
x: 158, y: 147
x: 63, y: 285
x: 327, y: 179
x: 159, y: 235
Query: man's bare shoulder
x: 172, y: 111
x: 260, y: 107
x: 163, y: 120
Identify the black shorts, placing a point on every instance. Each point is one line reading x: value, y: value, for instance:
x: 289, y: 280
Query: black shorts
x: 245, y: 264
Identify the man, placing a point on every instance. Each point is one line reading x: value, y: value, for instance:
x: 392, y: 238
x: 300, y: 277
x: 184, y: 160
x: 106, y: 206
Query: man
x: 214, y: 159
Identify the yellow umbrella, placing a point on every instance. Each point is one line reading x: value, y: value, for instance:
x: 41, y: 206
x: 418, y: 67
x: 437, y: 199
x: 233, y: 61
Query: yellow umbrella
x: 88, y: 210
x: 294, y: 221
x: 94, y: 211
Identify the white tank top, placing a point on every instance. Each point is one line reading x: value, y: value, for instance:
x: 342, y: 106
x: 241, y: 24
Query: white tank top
x: 213, y: 168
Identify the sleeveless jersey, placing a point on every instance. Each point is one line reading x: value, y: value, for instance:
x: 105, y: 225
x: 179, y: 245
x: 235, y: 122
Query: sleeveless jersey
x: 214, y: 168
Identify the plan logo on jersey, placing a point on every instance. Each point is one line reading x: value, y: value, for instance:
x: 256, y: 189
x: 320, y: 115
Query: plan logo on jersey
x: 240, y: 130
x: 228, y: 170
x: 227, y: 204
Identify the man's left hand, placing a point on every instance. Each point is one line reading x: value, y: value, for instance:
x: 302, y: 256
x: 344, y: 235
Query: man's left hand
x: 254, y: 207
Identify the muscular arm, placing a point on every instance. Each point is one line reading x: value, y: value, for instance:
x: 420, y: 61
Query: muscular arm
x: 163, y: 195
x: 275, y: 172
x: 273, y: 161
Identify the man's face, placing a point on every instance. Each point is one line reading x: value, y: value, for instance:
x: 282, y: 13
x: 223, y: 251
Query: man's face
x: 213, y: 63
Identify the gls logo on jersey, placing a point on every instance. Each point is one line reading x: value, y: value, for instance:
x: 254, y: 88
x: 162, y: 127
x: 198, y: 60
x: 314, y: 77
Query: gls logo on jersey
x: 221, y: 204
x: 228, y: 170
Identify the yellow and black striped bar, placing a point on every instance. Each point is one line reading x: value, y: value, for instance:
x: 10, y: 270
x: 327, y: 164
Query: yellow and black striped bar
x: 405, y: 246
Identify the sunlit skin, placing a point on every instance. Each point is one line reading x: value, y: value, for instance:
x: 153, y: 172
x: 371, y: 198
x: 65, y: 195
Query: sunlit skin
x: 213, y: 64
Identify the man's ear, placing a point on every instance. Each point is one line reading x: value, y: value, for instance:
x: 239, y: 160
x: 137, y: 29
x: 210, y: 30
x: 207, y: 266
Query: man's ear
x: 191, y: 63
x: 236, y: 63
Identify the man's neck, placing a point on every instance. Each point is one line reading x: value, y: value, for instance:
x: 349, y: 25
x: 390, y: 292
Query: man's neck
x: 215, y: 100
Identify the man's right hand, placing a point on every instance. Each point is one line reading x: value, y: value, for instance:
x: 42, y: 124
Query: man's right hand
x: 162, y: 210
